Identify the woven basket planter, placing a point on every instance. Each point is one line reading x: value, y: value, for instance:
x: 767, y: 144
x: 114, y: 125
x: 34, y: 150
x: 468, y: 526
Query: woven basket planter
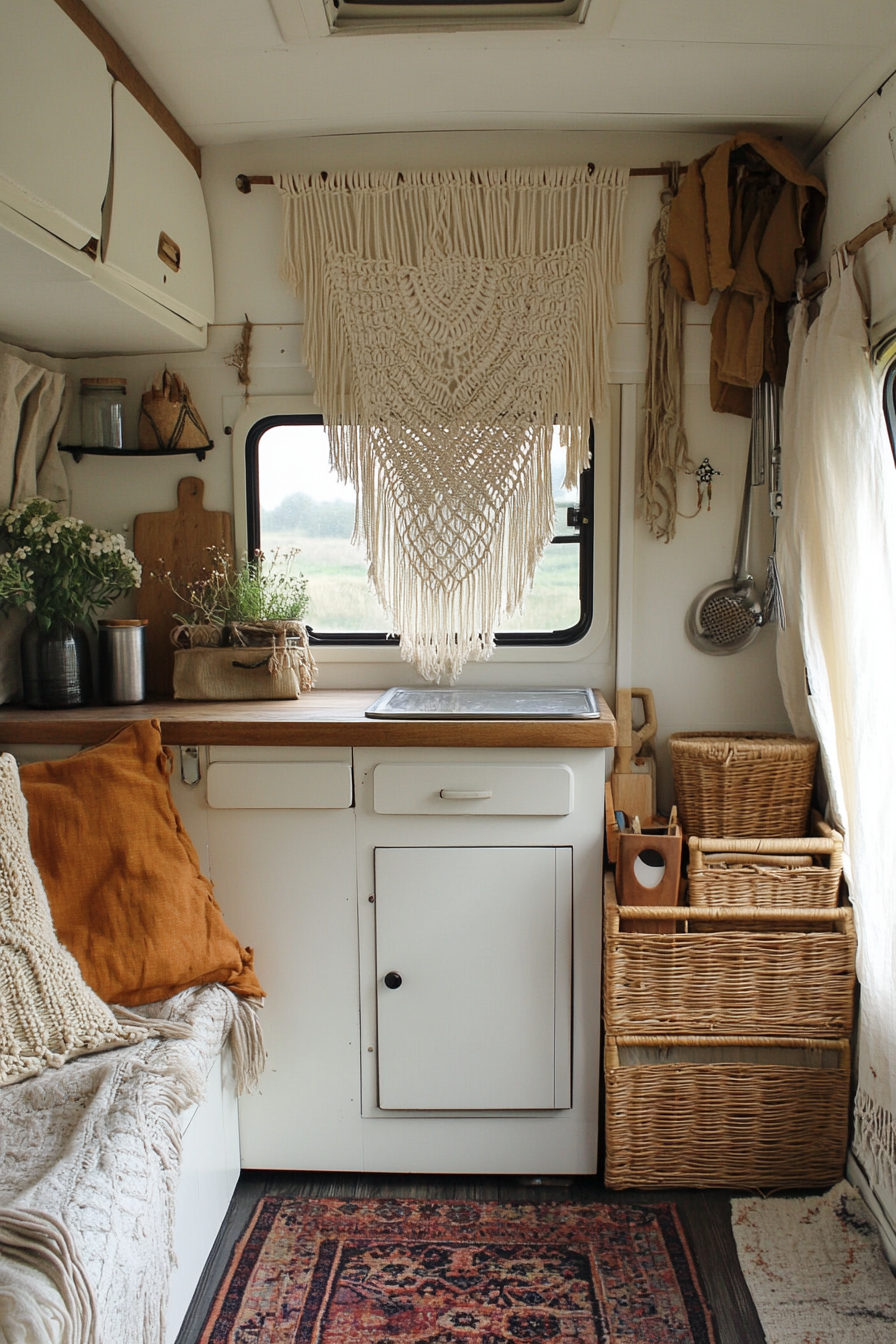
x: 743, y: 784
x: 728, y: 979
x: 679, y: 1113
x: 768, y: 873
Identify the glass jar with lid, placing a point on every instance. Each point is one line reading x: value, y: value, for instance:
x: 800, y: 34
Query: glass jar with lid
x: 102, y: 412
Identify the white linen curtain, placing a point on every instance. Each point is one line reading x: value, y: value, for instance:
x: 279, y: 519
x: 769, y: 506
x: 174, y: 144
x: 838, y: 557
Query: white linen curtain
x: 837, y: 554
x: 450, y: 318
x: 34, y: 405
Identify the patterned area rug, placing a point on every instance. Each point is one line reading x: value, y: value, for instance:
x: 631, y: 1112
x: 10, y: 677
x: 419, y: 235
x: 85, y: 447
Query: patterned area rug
x: 816, y: 1268
x: 408, y: 1271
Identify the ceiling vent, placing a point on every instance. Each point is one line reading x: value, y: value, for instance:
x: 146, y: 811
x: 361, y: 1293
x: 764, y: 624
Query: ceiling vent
x: 416, y: 15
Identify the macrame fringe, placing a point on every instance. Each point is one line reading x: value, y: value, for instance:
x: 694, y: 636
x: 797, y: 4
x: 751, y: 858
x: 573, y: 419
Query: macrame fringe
x: 45, y: 1244
x: 874, y: 1141
x: 450, y: 319
x: 151, y: 1026
x: 666, y: 450
x: 247, y: 1045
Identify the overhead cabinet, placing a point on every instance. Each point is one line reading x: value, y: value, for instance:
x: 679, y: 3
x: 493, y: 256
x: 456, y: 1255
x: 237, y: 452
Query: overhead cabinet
x: 101, y: 251
x: 155, y: 234
x: 55, y: 121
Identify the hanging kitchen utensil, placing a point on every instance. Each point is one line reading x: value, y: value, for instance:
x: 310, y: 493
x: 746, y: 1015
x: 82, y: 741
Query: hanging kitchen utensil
x: 773, y: 600
x: 726, y: 616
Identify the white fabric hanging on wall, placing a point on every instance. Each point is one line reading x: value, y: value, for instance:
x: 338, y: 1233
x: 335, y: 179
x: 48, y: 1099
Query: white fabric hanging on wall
x: 837, y: 553
x: 450, y: 317
x: 34, y: 405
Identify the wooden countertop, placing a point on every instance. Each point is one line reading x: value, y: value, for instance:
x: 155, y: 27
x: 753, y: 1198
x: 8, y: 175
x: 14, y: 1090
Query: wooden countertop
x: 320, y: 718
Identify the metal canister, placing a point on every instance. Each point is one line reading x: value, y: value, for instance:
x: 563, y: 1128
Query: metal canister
x: 122, y: 646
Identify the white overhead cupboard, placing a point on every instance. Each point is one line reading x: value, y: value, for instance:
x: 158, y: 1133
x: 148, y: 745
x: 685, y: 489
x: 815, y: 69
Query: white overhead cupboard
x: 100, y: 252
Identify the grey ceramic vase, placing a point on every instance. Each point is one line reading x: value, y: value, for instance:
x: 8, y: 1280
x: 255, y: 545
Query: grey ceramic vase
x: 56, y: 670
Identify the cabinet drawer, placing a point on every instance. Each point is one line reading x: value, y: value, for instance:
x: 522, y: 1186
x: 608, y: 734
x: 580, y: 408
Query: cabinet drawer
x: 489, y: 790
x: 285, y: 784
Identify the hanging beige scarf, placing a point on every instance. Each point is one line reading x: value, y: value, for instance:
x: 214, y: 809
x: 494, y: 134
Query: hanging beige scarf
x: 450, y: 319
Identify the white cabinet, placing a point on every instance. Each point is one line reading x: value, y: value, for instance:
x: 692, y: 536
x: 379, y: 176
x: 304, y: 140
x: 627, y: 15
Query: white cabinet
x: 55, y: 121
x: 155, y: 232
x: 285, y: 880
x: 473, y: 960
x: 486, y: 1057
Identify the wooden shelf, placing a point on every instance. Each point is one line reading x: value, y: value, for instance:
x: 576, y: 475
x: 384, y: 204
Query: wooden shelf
x: 77, y: 451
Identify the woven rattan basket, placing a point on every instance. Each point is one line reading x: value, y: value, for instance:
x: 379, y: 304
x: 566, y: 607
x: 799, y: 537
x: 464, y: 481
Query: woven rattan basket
x: 743, y: 784
x: 801, y: 872
x: 736, y: 979
x: 738, y: 1112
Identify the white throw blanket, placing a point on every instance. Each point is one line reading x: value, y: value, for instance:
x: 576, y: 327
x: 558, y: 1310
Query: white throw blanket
x: 89, y: 1163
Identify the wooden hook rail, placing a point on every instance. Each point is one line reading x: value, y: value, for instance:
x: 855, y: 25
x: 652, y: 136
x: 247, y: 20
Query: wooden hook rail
x: 822, y: 280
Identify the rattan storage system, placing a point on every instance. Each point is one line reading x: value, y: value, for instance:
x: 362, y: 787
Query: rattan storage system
x: 727, y: 1054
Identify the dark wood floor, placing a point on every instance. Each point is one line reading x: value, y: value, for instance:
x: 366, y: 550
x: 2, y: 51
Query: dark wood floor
x: 705, y: 1213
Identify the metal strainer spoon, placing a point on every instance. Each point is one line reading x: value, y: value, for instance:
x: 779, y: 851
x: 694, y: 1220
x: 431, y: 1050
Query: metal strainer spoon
x: 726, y: 616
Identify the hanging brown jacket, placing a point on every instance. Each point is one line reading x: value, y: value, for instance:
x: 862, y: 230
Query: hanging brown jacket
x: 744, y: 218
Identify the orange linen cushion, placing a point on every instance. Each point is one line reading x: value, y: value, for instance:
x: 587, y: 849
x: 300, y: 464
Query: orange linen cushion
x: 126, y: 892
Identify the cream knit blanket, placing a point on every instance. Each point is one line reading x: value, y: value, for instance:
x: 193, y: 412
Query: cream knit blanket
x: 89, y: 1164
x: 451, y: 319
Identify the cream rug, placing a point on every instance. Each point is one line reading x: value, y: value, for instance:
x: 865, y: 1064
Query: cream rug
x: 816, y: 1269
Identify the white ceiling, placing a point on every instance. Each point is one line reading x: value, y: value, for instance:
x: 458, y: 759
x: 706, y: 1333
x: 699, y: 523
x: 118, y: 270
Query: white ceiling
x: 237, y: 70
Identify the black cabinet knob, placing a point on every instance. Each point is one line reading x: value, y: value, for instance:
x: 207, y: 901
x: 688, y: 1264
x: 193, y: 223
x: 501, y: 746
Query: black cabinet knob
x: 392, y: 979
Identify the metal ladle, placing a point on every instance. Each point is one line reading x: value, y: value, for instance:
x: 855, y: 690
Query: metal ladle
x: 726, y: 616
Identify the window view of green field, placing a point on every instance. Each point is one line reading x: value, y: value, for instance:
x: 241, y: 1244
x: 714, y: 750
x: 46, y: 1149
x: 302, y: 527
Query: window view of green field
x: 303, y: 506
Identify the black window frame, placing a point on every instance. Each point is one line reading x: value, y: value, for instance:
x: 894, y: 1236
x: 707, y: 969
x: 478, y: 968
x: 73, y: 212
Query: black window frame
x: 583, y: 538
x: 889, y: 396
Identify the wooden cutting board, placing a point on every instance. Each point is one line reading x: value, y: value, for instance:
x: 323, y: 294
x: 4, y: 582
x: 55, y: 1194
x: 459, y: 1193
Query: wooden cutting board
x: 177, y: 542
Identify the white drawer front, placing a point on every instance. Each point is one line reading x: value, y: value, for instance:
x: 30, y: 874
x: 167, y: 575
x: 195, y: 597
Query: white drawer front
x: 489, y: 790
x: 287, y: 784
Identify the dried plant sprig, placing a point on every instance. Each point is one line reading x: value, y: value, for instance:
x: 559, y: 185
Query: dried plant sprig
x: 260, y: 589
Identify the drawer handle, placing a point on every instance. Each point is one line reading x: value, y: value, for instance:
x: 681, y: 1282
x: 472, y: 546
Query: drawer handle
x: 463, y: 795
x: 392, y: 980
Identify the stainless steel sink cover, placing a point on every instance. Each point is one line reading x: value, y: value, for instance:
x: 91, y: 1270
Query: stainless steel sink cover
x: 405, y: 702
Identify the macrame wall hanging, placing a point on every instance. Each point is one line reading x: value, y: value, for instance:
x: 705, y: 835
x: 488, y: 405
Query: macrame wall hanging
x: 451, y: 318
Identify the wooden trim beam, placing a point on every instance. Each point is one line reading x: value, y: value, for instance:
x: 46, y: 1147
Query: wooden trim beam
x: 122, y: 69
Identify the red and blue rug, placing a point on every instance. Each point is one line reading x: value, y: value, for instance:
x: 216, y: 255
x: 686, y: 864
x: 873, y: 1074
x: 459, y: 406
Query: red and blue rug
x: 411, y: 1271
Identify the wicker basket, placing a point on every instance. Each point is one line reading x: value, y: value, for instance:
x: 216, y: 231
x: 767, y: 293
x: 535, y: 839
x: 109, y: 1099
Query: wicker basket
x: 767, y: 872
x: 679, y: 1113
x: 743, y: 784
x: 732, y: 980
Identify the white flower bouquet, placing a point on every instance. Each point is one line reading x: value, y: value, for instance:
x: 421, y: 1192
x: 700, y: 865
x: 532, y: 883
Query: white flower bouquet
x: 59, y: 567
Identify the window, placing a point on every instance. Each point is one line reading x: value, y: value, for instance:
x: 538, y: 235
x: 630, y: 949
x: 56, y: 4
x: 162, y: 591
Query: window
x: 295, y: 500
x: 890, y: 404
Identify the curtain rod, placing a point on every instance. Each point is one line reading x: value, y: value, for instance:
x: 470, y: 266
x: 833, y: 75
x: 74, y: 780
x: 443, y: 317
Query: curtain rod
x: 245, y: 182
x: 822, y: 280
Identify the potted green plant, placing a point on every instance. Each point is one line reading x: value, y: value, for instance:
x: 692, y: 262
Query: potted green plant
x: 63, y: 571
x: 267, y: 599
x: 257, y: 606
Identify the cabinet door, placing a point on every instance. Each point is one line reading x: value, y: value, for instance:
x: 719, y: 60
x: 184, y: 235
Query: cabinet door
x: 481, y: 941
x: 55, y: 121
x: 156, y: 234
